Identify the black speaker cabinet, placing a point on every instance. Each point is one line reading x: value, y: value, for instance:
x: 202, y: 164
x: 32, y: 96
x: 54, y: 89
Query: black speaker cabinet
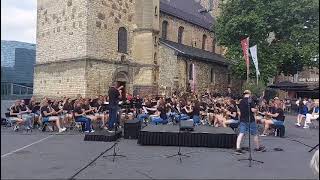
x: 131, y: 129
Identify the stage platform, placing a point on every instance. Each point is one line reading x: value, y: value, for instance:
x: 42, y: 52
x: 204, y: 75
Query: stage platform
x: 103, y: 135
x: 202, y: 136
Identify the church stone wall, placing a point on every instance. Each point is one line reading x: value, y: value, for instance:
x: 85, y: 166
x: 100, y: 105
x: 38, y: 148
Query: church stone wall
x: 174, y: 73
x: 192, y: 35
x: 61, y: 30
x: 55, y: 80
x: 105, y: 17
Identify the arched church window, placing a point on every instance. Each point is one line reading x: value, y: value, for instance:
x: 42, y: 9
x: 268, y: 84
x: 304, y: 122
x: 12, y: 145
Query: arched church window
x: 204, y: 41
x: 180, y: 34
x: 164, y: 29
x: 122, y: 40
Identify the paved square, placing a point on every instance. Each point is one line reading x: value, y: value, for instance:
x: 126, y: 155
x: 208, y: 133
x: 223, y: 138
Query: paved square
x: 39, y: 155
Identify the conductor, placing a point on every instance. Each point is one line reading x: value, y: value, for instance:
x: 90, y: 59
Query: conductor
x: 114, y: 94
x: 247, y: 120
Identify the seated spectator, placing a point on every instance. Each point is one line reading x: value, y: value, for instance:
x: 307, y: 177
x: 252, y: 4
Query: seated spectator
x: 303, y: 110
x: 312, y: 114
x: 277, y: 118
x: 48, y: 115
x: 15, y: 116
x: 80, y: 116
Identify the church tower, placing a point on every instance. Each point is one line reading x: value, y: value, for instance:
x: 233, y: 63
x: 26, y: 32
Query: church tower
x: 85, y: 45
x: 145, y: 44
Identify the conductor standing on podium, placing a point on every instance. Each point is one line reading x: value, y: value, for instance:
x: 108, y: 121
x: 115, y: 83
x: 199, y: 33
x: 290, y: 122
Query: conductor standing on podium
x: 114, y: 96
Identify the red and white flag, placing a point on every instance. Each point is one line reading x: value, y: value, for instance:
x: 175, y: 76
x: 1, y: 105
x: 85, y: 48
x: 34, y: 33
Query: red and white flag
x: 245, y: 49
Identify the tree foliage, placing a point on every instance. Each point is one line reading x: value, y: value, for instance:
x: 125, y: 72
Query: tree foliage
x: 286, y: 32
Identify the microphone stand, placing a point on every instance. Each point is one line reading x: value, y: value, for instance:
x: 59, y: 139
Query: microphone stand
x: 179, y: 154
x: 250, y: 159
x: 114, y: 155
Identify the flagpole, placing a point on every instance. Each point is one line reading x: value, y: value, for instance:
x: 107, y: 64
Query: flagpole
x: 248, y: 75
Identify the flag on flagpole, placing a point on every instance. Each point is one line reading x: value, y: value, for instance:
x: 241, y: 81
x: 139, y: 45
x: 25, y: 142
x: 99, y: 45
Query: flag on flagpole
x: 253, y: 51
x: 245, y: 49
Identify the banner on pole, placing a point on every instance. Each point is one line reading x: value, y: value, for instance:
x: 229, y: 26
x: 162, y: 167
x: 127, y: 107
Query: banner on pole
x: 253, y: 51
x: 245, y: 49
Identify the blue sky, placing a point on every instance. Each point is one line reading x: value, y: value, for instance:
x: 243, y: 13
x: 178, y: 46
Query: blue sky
x: 19, y: 20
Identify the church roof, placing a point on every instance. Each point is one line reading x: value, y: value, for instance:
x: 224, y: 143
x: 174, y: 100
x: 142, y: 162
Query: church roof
x: 187, y: 10
x: 198, y: 54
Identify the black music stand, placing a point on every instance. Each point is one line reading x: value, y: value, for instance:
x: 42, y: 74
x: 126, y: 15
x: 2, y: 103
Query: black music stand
x: 114, y: 155
x: 250, y: 154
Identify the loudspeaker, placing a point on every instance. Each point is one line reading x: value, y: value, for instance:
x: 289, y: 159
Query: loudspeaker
x: 131, y: 129
x: 187, y: 125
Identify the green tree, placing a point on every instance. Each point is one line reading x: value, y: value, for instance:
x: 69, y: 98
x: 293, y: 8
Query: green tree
x: 286, y: 32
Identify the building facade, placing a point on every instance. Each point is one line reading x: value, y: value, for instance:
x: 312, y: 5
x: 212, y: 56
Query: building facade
x: 150, y: 46
x: 17, y: 65
x: 307, y: 79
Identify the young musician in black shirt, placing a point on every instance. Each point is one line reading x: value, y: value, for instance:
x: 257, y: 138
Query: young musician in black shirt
x: 25, y: 113
x: 277, y: 118
x: 80, y: 116
x: 67, y: 108
x: 196, y: 112
x: 247, y: 110
x: 89, y: 111
x: 15, y: 116
x: 49, y: 115
x: 100, y: 112
x: 232, y: 113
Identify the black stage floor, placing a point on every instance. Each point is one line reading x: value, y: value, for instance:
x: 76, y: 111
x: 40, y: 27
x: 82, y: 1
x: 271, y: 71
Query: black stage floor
x: 202, y: 136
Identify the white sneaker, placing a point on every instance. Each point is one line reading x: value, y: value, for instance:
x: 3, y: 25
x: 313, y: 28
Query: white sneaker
x: 62, y: 130
x: 306, y: 127
x: 105, y: 128
x: 92, y: 131
x: 297, y: 124
x: 16, y: 128
x: 263, y: 135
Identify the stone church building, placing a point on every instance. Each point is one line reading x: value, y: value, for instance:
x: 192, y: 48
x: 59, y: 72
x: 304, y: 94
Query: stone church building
x: 150, y: 46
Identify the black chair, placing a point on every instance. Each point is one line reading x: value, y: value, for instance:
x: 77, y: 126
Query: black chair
x: 279, y: 129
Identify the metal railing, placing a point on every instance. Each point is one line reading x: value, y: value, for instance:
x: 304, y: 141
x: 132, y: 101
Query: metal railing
x: 11, y: 89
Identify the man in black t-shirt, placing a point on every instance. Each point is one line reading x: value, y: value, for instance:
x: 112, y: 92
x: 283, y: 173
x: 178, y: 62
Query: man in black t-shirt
x: 277, y: 118
x: 114, y: 97
x: 247, y: 121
